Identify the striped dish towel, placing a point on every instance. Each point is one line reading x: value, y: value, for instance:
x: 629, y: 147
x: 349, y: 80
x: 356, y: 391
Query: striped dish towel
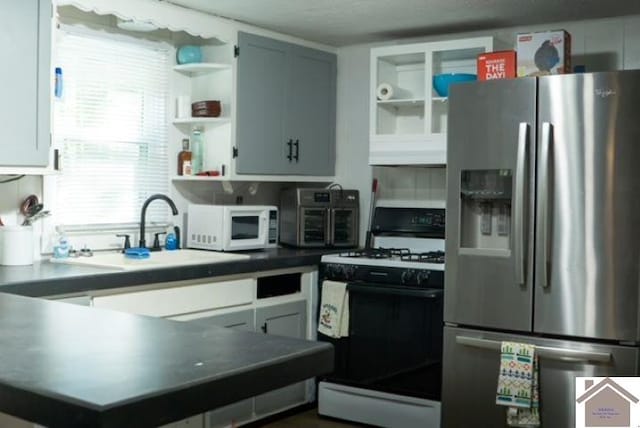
x: 518, y: 386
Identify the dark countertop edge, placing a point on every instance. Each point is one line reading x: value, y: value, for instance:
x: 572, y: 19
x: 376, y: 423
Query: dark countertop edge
x: 104, y: 280
x: 180, y: 403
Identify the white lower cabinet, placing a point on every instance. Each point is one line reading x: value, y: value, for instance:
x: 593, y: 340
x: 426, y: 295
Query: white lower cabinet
x: 192, y: 422
x: 235, y: 303
x: 287, y: 319
x: 8, y: 421
x: 242, y: 411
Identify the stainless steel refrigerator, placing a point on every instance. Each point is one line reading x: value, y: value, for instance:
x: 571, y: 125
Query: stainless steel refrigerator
x: 543, y: 237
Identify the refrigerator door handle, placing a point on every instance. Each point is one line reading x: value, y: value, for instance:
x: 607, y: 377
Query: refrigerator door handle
x: 547, y: 352
x: 543, y: 204
x: 328, y: 238
x: 519, y: 203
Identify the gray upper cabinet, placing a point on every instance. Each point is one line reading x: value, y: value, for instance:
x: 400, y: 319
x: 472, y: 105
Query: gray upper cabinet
x: 25, y: 45
x: 286, y: 108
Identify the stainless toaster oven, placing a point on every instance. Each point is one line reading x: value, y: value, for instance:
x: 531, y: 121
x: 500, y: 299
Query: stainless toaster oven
x: 315, y: 218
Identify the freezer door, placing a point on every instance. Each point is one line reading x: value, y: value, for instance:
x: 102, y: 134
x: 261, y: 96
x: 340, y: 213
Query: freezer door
x: 472, y: 359
x: 489, y: 237
x: 588, y: 206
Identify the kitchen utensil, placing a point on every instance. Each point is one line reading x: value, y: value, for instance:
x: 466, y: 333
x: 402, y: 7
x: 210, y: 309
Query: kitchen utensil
x: 441, y: 82
x: 372, y: 206
x: 30, y: 220
x: 29, y: 203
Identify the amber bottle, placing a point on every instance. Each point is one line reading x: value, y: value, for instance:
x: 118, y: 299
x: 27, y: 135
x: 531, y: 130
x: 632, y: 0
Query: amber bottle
x: 184, y: 159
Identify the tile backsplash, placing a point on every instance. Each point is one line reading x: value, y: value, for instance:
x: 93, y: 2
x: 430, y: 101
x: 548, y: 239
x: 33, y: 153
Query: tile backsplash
x: 420, y: 184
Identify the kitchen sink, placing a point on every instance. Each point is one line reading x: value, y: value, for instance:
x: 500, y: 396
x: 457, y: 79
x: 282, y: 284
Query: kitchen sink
x: 158, y: 259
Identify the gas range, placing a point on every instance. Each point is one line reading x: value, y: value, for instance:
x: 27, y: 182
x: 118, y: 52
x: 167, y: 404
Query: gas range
x: 408, y: 251
x: 388, y: 368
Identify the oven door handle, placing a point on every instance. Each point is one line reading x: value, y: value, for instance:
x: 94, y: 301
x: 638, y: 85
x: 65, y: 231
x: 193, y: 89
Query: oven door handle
x: 427, y: 293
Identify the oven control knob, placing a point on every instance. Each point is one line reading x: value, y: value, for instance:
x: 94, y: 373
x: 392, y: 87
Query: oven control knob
x: 422, y: 278
x: 408, y: 276
x: 349, y: 272
x: 330, y: 270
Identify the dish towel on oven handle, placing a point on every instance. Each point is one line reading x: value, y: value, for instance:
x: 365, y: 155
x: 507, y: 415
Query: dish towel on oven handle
x: 334, y: 310
x: 518, y: 384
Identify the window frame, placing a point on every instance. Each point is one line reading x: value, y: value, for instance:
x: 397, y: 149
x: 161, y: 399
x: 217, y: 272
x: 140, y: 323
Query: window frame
x: 101, y: 237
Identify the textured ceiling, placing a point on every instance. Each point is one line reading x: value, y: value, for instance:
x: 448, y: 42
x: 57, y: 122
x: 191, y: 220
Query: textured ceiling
x: 345, y: 22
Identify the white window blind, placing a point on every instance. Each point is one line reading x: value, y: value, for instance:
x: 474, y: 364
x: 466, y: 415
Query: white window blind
x: 111, y: 126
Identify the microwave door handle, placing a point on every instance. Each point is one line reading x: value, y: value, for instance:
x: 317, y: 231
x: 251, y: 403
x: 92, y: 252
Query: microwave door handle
x: 264, y: 229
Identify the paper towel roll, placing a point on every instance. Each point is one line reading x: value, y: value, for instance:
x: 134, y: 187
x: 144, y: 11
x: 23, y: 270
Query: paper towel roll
x: 387, y: 91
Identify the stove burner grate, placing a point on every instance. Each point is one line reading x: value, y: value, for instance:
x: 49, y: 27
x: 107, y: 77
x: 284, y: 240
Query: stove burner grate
x: 428, y: 257
x: 376, y: 253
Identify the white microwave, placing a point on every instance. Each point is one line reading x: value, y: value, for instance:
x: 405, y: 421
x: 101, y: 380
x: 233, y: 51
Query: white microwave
x: 232, y: 227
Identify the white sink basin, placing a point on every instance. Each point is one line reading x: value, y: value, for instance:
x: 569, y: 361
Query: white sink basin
x: 157, y: 259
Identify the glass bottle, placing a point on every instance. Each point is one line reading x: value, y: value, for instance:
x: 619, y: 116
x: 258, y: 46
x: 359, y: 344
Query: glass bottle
x: 184, y: 159
x: 197, y: 148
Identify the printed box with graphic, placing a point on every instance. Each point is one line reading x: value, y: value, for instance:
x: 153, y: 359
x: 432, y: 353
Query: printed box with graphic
x: 497, y: 65
x: 544, y: 53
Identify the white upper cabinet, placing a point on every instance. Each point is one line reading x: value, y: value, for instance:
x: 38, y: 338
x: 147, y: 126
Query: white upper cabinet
x: 408, y: 119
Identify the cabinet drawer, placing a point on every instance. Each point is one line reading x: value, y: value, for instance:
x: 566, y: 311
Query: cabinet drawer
x: 181, y: 300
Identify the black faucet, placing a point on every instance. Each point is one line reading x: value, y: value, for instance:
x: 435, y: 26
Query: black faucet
x: 142, y: 243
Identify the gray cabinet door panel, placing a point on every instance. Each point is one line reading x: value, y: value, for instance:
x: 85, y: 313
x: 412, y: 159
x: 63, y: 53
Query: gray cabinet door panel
x: 311, y: 111
x: 25, y: 44
x: 287, y: 319
x: 286, y: 108
x: 261, y: 92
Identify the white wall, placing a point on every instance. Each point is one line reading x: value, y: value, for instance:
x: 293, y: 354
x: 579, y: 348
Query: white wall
x: 600, y: 45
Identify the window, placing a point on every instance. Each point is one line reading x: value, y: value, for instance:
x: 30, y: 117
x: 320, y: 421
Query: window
x: 111, y: 128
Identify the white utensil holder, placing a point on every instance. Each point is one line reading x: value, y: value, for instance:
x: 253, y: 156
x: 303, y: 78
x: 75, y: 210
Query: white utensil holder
x: 16, y: 245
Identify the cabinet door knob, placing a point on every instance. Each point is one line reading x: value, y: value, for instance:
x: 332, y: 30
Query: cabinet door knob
x: 263, y: 327
x: 290, y: 155
x: 297, y: 155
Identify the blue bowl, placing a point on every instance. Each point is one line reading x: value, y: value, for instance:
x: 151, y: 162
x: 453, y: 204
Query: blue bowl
x: 188, y: 54
x: 441, y: 82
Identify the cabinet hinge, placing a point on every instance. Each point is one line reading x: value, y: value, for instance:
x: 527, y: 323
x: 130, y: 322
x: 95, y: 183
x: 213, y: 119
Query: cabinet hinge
x: 235, y: 152
x: 236, y: 51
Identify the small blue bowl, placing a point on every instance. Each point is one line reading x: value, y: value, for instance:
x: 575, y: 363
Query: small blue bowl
x: 441, y: 82
x: 188, y: 54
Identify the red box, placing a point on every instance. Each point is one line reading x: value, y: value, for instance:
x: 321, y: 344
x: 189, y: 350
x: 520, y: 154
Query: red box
x: 497, y: 65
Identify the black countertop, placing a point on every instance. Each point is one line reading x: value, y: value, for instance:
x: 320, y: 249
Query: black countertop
x: 69, y: 366
x: 48, y: 279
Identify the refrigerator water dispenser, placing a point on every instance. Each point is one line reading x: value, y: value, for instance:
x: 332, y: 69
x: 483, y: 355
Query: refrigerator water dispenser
x: 485, y: 221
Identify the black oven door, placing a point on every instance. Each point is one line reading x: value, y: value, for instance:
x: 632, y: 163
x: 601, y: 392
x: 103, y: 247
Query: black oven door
x: 394, y: 343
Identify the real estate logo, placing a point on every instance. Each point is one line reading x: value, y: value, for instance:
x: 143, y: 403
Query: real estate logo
x: 607, y: 402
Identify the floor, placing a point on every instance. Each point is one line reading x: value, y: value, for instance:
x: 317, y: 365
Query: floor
x: 309, y: 419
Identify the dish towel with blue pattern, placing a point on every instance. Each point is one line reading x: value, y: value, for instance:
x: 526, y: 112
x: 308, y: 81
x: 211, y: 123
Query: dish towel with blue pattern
x: 334, y: 310
x: 518, y: 386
